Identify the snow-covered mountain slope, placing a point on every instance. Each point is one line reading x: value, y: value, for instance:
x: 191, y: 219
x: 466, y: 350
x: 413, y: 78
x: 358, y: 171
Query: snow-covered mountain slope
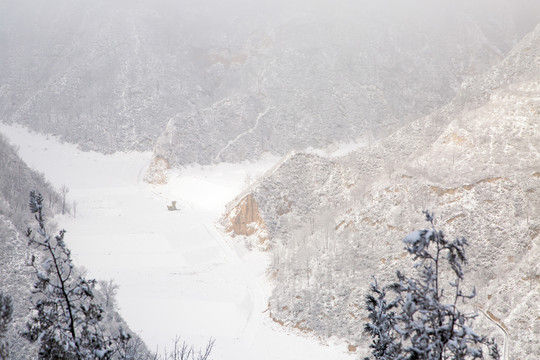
x: 521, y: 64
x: 234, y: 79
x: 319, y: 79
x: 17, y: 278
x: 178, y: 275
x: 334, y: 222
x: 480, y: 177
x: 306, y: 182
x: 16, y: 182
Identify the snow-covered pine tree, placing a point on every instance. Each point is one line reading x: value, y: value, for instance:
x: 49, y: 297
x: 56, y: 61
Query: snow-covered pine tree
x: 423, y: 321
x: 65, y: 319
x: 6, y: 315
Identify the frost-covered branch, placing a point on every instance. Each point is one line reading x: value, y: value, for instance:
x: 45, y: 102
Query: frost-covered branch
x: 421, y: 325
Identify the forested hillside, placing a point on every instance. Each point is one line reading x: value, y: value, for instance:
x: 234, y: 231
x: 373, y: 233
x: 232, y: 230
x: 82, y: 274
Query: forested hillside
x: 16, y: 278
x: 232, y: 80
x: 338, y: 76
x: 16, y: 181
x: 332, y: 222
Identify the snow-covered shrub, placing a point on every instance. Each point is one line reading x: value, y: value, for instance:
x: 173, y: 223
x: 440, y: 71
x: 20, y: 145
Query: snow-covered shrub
x: 423, y: 321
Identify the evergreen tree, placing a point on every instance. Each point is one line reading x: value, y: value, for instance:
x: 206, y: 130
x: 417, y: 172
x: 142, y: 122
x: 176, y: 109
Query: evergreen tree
x: 422, y: 321
x: 65, y: 319
x: 6, y: 315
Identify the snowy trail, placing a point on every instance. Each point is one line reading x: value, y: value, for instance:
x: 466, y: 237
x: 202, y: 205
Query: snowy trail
x: 500, y: 326
x: 250, y: 130
x: 178, y: 274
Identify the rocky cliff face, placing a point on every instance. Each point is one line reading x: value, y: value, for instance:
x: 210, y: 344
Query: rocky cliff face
x: 157, y: 171
x: 245, y: 220
x: 474, y: 162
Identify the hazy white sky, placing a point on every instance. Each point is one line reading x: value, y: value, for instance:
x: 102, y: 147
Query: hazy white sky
x: 525, y: 10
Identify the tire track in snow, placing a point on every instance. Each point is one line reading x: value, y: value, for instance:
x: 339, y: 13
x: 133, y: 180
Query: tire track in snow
x: 500, y: 326
x: 254, y: 297
x: 218, y: 156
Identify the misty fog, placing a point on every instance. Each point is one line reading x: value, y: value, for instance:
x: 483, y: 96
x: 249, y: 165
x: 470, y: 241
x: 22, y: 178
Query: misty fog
x: 360, y: 112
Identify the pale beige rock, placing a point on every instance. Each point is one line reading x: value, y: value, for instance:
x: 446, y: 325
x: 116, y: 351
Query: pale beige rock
x: 157, y: 171
x: 244, y: 219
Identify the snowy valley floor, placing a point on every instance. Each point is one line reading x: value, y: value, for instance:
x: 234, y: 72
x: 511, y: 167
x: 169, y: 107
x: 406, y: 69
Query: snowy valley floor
x: 179, y: 275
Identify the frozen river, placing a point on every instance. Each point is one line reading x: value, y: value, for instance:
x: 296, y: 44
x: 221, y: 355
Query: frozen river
x: 178, y: 273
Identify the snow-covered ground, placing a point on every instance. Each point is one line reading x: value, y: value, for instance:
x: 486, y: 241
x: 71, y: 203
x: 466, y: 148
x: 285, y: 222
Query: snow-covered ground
x: 339, y: 149
x: 179, y: 275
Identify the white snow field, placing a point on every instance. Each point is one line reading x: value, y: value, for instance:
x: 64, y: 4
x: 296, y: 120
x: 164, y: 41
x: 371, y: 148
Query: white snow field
x: 179, y: 274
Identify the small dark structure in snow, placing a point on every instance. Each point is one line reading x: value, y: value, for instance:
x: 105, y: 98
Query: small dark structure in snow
x: 172, y: 207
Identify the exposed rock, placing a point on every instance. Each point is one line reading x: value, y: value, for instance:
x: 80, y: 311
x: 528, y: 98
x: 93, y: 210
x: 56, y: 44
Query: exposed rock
x: 244, y: 219
x: 157, y: 171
